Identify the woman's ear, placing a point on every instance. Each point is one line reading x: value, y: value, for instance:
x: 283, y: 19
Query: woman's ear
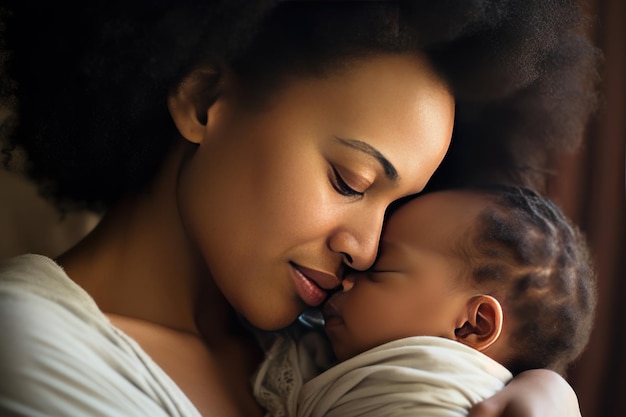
x: 481, y: 323
x: 190, y: 103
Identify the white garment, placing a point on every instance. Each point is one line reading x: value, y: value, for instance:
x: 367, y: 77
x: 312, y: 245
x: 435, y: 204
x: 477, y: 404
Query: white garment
x: 60, y: 356
x: 417, y: 376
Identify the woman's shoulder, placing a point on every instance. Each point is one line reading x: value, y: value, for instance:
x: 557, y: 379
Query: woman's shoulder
x: 62, y: 356
x: 38, y: 287
x: 39, y: 277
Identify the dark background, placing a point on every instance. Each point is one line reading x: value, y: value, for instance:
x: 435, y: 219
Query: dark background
x: 590, y: 188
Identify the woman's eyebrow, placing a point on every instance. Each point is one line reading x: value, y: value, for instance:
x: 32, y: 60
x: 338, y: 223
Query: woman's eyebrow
x: 390, y: 170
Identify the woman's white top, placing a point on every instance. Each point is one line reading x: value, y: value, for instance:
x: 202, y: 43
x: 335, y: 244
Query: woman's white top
x: 60, y: 356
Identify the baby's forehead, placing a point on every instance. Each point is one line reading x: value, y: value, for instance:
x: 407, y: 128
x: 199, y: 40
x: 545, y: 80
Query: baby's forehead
x: 451, y: 206
x: 437, y: 222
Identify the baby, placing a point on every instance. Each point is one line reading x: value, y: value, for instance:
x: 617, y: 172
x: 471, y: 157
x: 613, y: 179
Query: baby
x: 470, y: 287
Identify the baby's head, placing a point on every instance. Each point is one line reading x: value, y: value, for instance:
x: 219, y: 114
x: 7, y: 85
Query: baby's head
x: 500, y: 269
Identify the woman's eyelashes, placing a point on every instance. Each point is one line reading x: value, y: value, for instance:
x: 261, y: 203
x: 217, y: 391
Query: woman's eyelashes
x: 373, y: 275
x: 378, y: 274
x: 342, y: 187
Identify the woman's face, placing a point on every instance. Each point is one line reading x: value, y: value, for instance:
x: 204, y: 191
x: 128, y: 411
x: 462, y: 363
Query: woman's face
x: 277, y: 200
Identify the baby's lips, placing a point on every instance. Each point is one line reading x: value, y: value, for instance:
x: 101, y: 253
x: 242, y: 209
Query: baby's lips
x: 329, y: 309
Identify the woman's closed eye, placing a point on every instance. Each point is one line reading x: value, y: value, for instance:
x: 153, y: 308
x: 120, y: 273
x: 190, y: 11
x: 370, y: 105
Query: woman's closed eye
x: 375, y: 275
x: 342, y: 187
x: 378, y: 275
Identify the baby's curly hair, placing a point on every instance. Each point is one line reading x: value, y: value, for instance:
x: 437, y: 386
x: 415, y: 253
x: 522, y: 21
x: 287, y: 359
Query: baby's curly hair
x: 87, y: 88
x: 537, y: 263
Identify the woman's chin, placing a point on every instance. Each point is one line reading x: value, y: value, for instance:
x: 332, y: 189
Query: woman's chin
x: 267, y: 322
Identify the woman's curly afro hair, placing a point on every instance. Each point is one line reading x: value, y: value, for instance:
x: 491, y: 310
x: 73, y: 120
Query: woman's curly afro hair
x: 83, y: 91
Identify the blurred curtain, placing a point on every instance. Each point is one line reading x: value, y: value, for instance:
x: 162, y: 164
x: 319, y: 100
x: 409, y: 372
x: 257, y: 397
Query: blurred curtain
x: 590, y: 188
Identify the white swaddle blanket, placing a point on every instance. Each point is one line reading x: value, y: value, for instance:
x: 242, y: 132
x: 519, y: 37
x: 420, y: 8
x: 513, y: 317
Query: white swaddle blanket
x: 417, y: 376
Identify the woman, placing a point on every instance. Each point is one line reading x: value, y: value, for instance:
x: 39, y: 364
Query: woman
x: 245, y: 157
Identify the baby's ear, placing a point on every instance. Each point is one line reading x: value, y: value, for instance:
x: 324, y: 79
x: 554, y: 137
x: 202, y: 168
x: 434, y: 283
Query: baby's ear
x: 189, y: 104
x: 481, y: 322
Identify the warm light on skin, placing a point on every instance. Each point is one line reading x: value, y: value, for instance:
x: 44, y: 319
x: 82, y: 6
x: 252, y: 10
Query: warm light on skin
x: 417, y: 286
x: 390, y: 170
x: 306, y: 181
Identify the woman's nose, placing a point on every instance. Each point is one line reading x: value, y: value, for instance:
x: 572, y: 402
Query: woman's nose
x: 358, y: 242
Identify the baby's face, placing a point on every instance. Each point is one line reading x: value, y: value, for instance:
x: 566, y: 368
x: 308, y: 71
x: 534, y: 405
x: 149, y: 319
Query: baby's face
x: 415, y: 287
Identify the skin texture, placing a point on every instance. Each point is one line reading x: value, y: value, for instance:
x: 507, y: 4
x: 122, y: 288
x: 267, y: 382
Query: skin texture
x: 547, y: 388
x: 292, y: 186
x: 417, y: 286
x: 248, y: 195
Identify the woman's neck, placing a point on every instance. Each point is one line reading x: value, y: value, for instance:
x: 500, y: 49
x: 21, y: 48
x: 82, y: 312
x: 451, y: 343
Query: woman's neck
x: 139, y: 263
x: 147, y: 277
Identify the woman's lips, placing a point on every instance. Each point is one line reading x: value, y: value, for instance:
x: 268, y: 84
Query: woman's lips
x: 322, y: 279
x: 307, y: 289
